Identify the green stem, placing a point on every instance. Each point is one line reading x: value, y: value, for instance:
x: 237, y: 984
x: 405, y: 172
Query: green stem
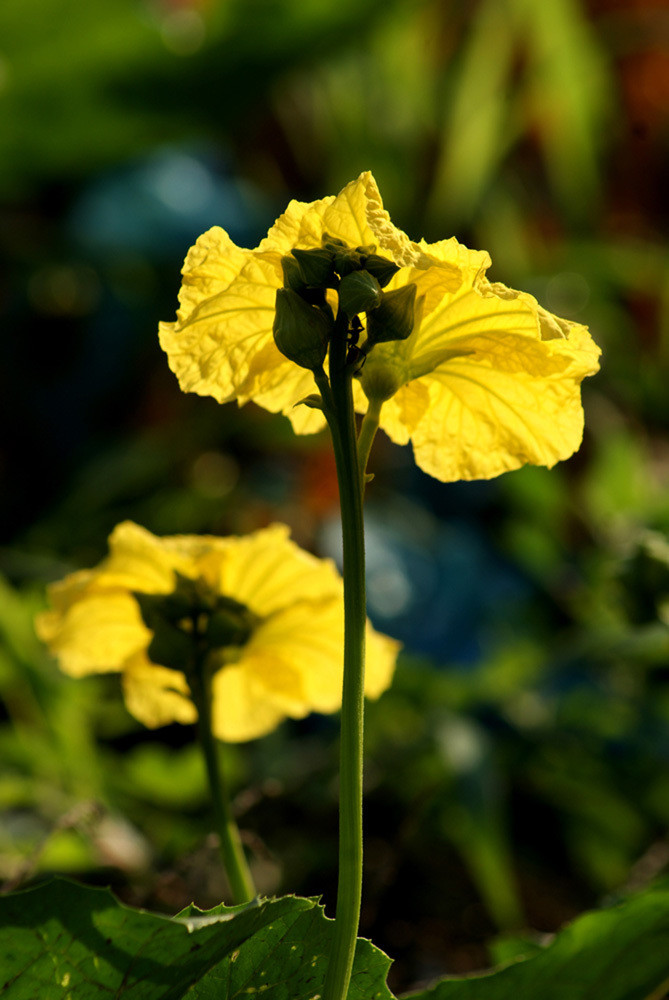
x: 341, y: 419
x: 370, y: 425
x: 232, y: 852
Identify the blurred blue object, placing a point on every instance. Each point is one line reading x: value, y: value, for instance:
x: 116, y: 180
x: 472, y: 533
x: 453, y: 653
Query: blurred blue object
x: 437, y: 586
x: 130, y: 225
x: 159, y: 205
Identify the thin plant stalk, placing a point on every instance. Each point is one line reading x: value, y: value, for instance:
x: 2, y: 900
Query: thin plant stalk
x: 232, y: 851
x: 338, y: 407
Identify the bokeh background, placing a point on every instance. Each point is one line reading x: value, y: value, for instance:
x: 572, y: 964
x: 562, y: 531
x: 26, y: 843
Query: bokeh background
x: 518, y: 771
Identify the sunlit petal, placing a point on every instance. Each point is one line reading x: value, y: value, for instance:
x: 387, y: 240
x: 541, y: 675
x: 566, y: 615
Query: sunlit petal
x: 155, y: 695
x: 513, y: 400
x: 465, y: 266
x: 267, y: 571
x: 138, y: 561
x: 309, y: 636
x: 356, y: 216
x: 92, y: 631
x: 212, y: 344
x: 241, y: 709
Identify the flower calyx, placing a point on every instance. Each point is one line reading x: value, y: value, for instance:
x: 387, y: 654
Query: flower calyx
x: 394, y: 317
x: 316, y: 266
x: 304, y: 321
x: 192, y: 621
x: 301, y: 330
x: 359, y: 292
x: 314, y: 401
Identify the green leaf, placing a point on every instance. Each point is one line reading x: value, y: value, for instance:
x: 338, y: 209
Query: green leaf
x: 66, y: 940
x: 619, y: 953
x: 63, y: 941
x: 287, y: 960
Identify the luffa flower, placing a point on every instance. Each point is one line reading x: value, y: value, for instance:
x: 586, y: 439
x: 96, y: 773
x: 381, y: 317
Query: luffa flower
x: 482, y: 380
x: 269, y: 614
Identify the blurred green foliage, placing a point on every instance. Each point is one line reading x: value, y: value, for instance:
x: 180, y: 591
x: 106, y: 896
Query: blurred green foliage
x: 509, y: 787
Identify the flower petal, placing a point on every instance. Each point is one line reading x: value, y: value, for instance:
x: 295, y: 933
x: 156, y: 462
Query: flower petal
x: 222, y: 344
x: 448, y: 306
x: 550, y: 326
x: 138, y: 560
x: 278, y: 385
x: 459, y: 317
x: 300, y: 226
x: 210, y: 267
x: 221, y: 325
x: 472, y: 264
x: 403, y: 412
x: 241, y: 709
x: 356, y: 216
x: 91, y: 631
x: 307, y: 638
x: 157, y: 696
x: 513, y: 399
x: 439, y: 268
x: 381, y: 656
x: 267, y: 571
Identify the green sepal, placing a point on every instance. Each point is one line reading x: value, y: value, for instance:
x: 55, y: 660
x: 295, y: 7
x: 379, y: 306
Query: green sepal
x: 346, y: 261
x: 228, y: 628
x: 171, y: 617
x: 380, y: 267
x: 332, y: 243
x: 366, y: 250
x: 316, y: 266
x: 301, y: 331
x: 314, y: 401
x: 191, y: 618
x: 171, y: 647
x: 157, y: 608
x: 393, y: 319
x: 292, y: 274
x: 359, y: 292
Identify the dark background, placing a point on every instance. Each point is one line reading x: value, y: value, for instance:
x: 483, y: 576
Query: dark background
x: 517, y: 770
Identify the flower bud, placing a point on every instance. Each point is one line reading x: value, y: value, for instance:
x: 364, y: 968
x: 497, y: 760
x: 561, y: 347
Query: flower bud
x: 316, y: 266
x: 358, y: 292
x: 393, y: 319
x: 381, y: 377
x: 292, y: 274
x: 346, y: 261
x: 380, y: 267
x: 301, y: 331
x: 157, y: 608
x: 332, y: 242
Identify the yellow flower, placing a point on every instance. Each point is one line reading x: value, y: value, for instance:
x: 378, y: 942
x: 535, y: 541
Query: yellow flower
x: 285, y: 661
x: 486, y: 381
